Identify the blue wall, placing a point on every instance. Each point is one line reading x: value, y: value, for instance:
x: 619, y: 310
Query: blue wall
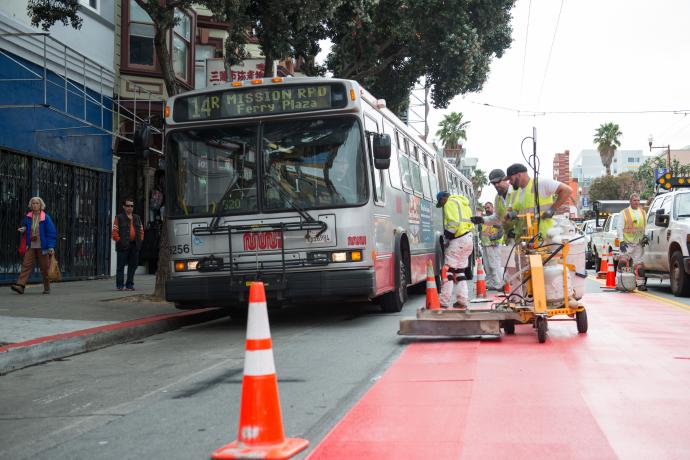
x: 17, y: 125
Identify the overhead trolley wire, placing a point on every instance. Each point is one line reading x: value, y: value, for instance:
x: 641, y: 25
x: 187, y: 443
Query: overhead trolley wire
x: 548, y: 60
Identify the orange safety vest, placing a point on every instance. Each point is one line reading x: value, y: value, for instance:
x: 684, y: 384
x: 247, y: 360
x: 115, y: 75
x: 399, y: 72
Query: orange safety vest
x: 633, y: 230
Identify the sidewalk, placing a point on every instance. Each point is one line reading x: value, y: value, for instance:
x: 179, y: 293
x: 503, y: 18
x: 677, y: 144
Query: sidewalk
x: 81, y: 316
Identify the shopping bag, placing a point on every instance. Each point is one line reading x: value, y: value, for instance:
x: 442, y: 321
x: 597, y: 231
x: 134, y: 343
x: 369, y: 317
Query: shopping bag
x: 54, y: 270
x: 22, y: 245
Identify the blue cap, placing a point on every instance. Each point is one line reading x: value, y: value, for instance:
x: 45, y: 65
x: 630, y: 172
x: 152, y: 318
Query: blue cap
x: 440, y: 196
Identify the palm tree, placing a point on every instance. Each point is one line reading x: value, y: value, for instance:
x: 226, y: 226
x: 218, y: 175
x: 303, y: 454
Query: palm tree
x: 478, y: 180
x: 451, y: 131
x: 606, y: 138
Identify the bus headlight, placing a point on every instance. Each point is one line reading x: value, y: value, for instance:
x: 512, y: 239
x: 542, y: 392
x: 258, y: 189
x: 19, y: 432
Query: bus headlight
x: 339, y: 256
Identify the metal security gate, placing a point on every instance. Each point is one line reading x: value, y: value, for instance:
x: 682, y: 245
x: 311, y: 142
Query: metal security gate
x: 14, y: 196
x: 77, y: 199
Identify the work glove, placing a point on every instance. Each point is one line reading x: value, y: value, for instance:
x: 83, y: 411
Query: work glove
x: 624, y: 246
x: 477, y: 220
x: 548, y: 214
x: 510, y: 215
x: 448, y: 235
x: 644, y: 241
x: 511, y: 234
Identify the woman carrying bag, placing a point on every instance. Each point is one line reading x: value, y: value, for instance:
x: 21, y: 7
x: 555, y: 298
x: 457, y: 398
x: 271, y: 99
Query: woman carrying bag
x: 38, y: 235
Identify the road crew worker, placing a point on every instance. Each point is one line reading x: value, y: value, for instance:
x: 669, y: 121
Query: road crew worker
x: 500, y: 181
x: 491, y: 238
x: 631, y: 235
x: 552, y: 195
x: 457, y: 229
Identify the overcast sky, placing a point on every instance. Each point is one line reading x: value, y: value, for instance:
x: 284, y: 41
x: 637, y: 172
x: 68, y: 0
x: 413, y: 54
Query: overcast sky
x: 607, y: 56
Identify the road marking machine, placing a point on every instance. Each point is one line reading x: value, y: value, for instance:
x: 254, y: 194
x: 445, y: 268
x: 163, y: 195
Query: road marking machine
x: 547, y: 279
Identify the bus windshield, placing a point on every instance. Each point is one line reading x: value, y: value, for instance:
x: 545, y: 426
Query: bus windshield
x: 306, y: 164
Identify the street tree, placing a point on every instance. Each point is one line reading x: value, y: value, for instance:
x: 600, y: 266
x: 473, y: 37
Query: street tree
x: 388, y: 46
x: 646, y: 174
x: 452, y: 129
x: 607, y: 139
x: 618, y: 187
x: 479, y: 180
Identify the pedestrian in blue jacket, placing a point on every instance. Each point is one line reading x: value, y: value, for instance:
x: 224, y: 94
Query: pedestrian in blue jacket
x: 38, y: 235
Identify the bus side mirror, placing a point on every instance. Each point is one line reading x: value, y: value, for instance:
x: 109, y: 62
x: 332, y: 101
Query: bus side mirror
x: 382, y: 151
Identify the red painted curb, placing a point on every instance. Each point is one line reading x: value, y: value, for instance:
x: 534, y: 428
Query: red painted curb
x: 106, y: 328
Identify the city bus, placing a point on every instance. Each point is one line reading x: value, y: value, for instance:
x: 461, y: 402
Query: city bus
x: 309, y: 185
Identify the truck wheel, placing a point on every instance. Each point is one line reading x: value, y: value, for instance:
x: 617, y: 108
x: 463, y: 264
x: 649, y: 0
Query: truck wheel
x: 680, y: 281
x: 508, y: 326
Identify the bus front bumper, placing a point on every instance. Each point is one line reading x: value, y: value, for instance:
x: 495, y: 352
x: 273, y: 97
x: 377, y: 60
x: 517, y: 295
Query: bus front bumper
x: 219, y: 290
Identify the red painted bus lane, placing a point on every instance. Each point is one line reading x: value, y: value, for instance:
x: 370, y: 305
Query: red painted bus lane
x: 620, y: 391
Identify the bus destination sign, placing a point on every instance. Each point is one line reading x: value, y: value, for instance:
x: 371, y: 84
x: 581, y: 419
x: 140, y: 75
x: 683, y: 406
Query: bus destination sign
x: 260, y: 100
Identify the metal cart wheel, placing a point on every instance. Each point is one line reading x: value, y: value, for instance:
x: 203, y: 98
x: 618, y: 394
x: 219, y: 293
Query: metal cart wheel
x: 581, y: 319
x: 508, y: 326
x: 541, y: 329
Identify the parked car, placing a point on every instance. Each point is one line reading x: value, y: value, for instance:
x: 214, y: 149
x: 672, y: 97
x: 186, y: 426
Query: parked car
x: 605, y: 240
x: 587, y: 228
x: 668, y: 230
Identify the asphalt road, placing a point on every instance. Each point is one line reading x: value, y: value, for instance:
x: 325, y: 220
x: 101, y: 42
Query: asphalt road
x: 177, y: 395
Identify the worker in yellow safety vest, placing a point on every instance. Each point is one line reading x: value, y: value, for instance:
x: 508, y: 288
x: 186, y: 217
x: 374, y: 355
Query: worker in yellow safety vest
x: 491, y: 238
x: 500, y: 181
x: 631, y: 234
x: 457, y: 231
x: 552, y: 195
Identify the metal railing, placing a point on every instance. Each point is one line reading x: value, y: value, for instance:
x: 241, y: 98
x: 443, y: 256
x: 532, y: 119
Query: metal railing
x: 60, y: 67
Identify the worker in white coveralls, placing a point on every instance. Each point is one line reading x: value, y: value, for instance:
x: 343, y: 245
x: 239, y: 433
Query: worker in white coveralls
x: 457, y: 230
x: 491, y: 238
x: 631, y: 235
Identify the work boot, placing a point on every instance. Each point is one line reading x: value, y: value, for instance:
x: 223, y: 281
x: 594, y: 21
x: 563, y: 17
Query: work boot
x: 18, y: 288
x: 642, y: 287
x: 459, y: 306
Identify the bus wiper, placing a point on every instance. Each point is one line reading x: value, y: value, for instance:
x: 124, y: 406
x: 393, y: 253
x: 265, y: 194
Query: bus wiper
x: 215, y: 221
x: 301, y: 211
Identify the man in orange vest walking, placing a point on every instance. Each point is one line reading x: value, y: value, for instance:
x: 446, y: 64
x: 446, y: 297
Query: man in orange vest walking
x: 631, y: 235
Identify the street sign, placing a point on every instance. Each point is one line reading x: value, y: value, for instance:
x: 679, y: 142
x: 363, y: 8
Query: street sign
x: 658, y: 172
x: 585, y: 201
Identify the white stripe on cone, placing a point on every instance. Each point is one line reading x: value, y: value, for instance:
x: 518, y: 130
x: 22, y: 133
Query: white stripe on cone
x: 259, y: 362
x: 257, y: 321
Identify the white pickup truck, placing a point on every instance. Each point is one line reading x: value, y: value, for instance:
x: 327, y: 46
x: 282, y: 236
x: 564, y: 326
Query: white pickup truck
x: 605, y: 240
x: 668, y: 231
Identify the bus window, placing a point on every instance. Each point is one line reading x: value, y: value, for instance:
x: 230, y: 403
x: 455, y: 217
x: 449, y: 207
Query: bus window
x: 394, y: 168
x: 416, y: 177
x: 434, y: 185
x: 212, y: 171
x: 372, y: 127
x: 313, y: 163
x: 407, y: 146
x: 426, y: 190
x: 415, y: 152
x: 405, y: 170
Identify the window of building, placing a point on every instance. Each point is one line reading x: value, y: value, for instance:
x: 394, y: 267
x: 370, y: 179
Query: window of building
x: 203, y: 52
x: 141, y: 33
x: 93, y: 4
x: 181, y: 44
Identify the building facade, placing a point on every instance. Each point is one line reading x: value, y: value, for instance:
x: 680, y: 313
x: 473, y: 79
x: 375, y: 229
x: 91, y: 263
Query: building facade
x: 561, y: 167
x: 55, y: 134
x: 587, y: 165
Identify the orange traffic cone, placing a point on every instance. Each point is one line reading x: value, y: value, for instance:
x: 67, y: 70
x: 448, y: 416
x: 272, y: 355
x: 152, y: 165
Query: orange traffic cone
x: 603, y: 267
x: 432, y: 301
x: 260, y: 434
x: 506, y: 288
x: 610, y: 274
x: 480, y: 286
